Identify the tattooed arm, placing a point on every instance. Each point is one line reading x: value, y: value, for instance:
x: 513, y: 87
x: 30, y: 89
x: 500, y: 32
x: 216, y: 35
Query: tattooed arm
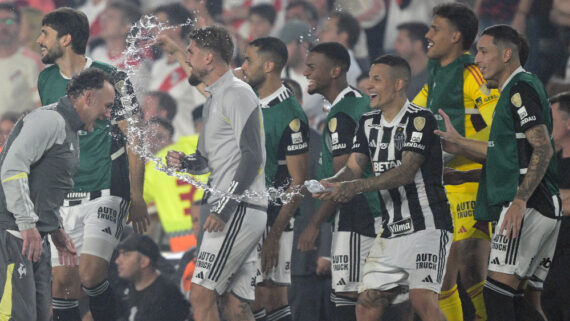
x: 542, y: 151
x: 398, y: 176
x: 353, y: 169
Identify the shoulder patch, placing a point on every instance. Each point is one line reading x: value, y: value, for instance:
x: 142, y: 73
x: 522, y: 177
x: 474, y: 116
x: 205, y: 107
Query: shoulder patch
x: 295, y: 125
x: 516, y: 100
x: 332, y: 125
x: 419, y: 123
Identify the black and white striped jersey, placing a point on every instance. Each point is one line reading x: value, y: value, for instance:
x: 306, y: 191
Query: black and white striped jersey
x: 421, y: 204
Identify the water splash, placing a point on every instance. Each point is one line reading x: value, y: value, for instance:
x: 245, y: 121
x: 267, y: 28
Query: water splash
x: 142, y: 36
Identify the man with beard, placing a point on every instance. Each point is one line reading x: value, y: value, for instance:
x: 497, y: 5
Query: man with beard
x: 94, y: 213
x: 518, y: 181
x: 20, y: 66
x: 286, y: 146
x: 232, y: 147
x: 455, y: 85
x: 37, y: 165
x: 356, y: 222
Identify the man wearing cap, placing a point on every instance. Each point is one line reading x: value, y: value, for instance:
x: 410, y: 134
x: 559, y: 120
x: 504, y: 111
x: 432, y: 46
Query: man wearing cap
x: 151, y: 296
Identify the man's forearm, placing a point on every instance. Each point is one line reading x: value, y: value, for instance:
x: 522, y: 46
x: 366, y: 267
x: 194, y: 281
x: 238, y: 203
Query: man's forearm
x: 285, y: 214
x: 537, y: 167
x: 325, y: 210
x: 474, y: 150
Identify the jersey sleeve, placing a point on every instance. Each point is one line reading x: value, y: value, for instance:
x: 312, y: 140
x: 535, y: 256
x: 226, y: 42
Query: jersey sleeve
x: 421, y: 97
x: 40, y: 132
x: 295, y: 138
x: 359, y: 142
x: 478, y: 96
x: 420, y: 133
x: 525, y: 107
x: 341, y: 129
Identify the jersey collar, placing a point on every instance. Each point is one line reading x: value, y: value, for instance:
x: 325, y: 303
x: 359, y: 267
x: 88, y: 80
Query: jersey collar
x: 519, y: 69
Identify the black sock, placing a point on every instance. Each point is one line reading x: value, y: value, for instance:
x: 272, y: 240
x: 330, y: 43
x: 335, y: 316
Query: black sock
x: 102, y: 302
x: 345, y: 308
x: 260, y: 315
x: 524, y: 311
x: 499, y: 300
x: 281, y: 314
x: 65, y: 309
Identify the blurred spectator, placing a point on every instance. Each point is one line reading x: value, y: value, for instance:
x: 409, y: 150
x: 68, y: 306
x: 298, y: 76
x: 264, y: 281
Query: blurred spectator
x: 176, y: 201
x: 261, y: 19
x: 20, y: 66
x: 150, y: 295
x: 370, y: 15
x: 116, y: 21
x: 6, y: 124
x: 93, y: 10
x: 406, y: 11
x: 362, y: 83
x: 44, y: 6
x: 207, y: 12
x: 343, y: 28
x: 295, y: 87
x: 159, y: 132
x: 160, y: 104
x: 304, y: 11
x: 168, y: 73
x: 411, y: 44
x: 30, y: 27
x: 297, y: 36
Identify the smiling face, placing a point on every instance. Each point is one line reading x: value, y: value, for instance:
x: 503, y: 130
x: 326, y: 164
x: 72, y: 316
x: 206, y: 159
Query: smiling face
x: 489, y: 60
x: 317, y: 71
x: 50, y: 46
x: 442, y: 36
x: 381, y: 87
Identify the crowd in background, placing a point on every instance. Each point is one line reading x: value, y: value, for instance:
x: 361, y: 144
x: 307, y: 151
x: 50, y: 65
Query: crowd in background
x: 172, y: 108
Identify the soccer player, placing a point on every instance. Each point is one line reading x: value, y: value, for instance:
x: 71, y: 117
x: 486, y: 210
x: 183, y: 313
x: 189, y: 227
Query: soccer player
x: 37, y: 165
x: 456, y: 86
x: 397, y: 139
x: 355, y: 223
x: 286, y: 167
x: 232, y: 147
x: 518, y: 185
x: 94, y: 213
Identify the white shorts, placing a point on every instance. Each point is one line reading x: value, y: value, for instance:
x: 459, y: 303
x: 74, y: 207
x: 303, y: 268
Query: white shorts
x: 95, y: 226
x: 416, y: 261
x: 348, y: 254
x: 281, y: 274
x: 530, y: 253
x: 227, y: 260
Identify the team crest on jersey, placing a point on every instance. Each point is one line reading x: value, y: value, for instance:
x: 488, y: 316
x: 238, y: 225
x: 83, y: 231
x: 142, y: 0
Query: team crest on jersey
x: 419, y: 123
x: 399, y: 138
x: 119, y: 85
x: 516, y: 100
x: 332, y: 125
x: 485, y: 90
x: 295, y: 125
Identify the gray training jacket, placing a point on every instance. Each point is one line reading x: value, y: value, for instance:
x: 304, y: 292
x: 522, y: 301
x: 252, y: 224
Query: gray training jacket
x: 36, y: 167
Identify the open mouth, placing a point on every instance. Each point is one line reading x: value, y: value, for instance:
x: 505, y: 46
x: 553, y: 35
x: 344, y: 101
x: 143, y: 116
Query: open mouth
x: 372, y: 96
x: 430, y: 44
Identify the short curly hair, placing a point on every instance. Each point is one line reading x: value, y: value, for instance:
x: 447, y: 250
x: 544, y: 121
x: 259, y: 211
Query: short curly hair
x: 88, y: 79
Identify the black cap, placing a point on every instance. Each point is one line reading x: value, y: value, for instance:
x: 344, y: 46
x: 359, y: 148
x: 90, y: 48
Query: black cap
x: 143, y: 244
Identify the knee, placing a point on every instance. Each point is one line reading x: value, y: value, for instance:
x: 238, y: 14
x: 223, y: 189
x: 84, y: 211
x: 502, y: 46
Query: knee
x: 425, y: 303
x: 90, y: 278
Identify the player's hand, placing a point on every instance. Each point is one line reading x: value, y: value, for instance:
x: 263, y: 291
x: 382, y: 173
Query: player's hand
x: 138, y: 215
x: 32, y: 244
x: 214, y: 223
x: 269, y: 252
x: 174, y: 159
x: 450, y: 137
x: 323, y: 266
x: 65, y: 248
x: 307, y: 238
x: 341, y: 192
x: 513, y: 219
